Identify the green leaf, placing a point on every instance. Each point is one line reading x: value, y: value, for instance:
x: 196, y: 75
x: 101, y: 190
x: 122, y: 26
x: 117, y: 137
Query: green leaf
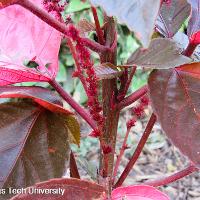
x: 62, y: 74
x: 77, y: 5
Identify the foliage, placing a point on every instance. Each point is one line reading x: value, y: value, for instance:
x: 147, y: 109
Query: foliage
x: 35, y: 131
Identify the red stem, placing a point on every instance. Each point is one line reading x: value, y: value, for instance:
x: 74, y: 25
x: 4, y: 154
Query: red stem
x: 129, y: 81
x: 74, y: 55
x: 59, y: 26
x: 172, y: 178
x: 80, y: 110
x: 133, y: 97
x: 190, y: 49
x: 100, y: 34
x: 138, y: 150
x: 73, y: 167
x: 121, y: 154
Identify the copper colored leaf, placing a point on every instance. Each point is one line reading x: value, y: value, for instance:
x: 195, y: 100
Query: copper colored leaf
x: 172, y: 15
x: 42, y: 96
x: 138, y: 15
x: 24, y: 37
x: 162, y: 53
x: 74, y: 189
x: 33, y: 145
x: 175, y: 97
x: 85, y: 26
x: 73, y: 127
x: 138, y: 192
x: 107, y: 71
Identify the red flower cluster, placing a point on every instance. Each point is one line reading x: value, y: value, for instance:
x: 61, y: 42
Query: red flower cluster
x: 138, y: 111
x: 166, y: 1
x: 86, y: 68
x: 131, y: 123
x: 55, y: 7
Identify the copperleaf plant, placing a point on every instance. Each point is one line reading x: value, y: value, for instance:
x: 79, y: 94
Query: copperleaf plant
x: 36, y: 130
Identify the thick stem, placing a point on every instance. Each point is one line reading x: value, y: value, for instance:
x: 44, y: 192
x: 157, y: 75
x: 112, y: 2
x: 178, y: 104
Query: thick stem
x: 100, y: 34
x: 59, y: 26
x: 137, y: 152
x: 122, y: 150
x: 133, y: 97
x: 190, y: 49
x: 73, y: 167
x: 174, y: 177
x: 80, y: 110
x: 109, y: 96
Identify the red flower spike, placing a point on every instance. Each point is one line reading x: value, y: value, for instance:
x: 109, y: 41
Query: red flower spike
x: 106, y: 149
x: 73, y: 32
x: 54, y: 7
x: 138, y: 111
x: 130, y: 123
x: 75, y: 74
x: 86, y: 67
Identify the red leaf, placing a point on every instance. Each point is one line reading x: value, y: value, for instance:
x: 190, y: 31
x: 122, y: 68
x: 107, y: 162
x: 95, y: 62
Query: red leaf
x: 75, y: 189
x: 138, y: 192
x: 27, y: 132
x: 172, y: 15
x: 42, y: 96
x: 175, y: 95
x: 24, y: 37
x: 195, y: 38
x: 4, y: 3
x: 194, y: 22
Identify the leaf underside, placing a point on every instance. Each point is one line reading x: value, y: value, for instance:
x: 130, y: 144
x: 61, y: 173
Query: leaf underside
x: 42, y: 96
x: 172, y: 15
x: 162, y: 53
x: 194, y: 22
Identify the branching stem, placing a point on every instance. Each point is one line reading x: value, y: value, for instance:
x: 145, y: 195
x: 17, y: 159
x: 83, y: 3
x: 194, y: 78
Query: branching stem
x: 99, y: 31
x: 80, y: 110
x: 172, y: 178
x: 133, y: 97
x: 137, y: 152
x: 122, y: 150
